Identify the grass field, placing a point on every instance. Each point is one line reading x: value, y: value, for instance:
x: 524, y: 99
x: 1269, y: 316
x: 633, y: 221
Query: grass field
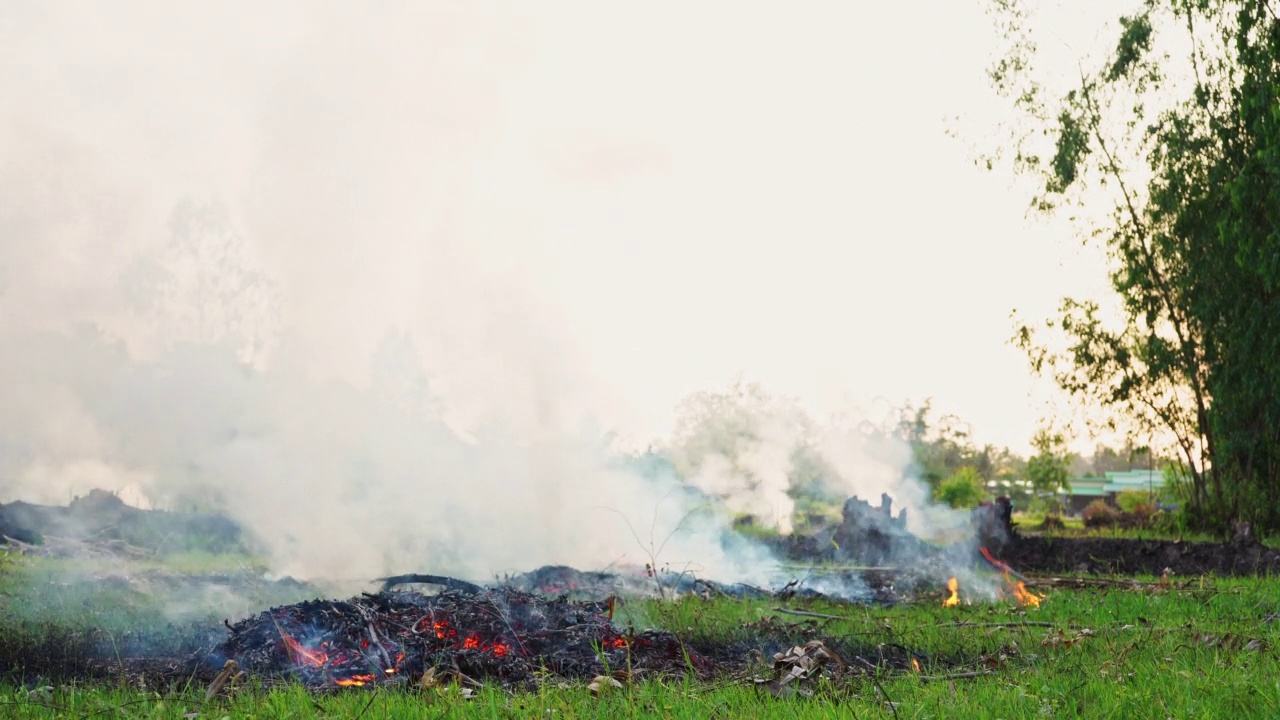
x: 1206, y: 649
x: 1074, y: 527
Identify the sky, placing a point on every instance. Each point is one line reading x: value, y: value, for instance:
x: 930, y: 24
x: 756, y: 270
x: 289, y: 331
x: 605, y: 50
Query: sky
x: 611, y: 205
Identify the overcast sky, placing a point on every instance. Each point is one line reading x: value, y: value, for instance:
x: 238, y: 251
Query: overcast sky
x: 621, y: 203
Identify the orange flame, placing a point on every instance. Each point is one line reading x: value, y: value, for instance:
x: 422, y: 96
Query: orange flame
x: 953, y: 586
x: 1002, y: 567
x: 300, y: 654
x: 396, y: 669
x: 1024, y: 597
x: 354, y: 680
x: 915, y: 664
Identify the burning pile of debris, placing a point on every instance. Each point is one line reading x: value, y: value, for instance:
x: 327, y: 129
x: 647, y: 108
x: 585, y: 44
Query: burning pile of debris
x: 501, y: 634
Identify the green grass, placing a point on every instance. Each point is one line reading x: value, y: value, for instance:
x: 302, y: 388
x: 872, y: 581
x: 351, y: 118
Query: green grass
x: 1205, y: 650
x: 41, y: 592
x: 1032, y: 521
x: 1074, y: 527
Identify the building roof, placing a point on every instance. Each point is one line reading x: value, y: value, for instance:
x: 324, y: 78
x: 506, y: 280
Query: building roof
x: 1134, y: 480
x: 1116, y: 482
x: 1087, y: 487
x: 1088, y: 491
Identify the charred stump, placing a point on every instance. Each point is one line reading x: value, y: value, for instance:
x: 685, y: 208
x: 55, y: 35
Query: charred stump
x: 873, y: 535
x: 993, y: 523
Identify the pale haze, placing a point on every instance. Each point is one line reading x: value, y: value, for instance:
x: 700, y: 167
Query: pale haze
x: 561, y: 215
x: 686, y: 192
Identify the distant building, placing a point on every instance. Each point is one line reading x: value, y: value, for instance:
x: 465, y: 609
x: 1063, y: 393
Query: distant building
x: 1085, y: 490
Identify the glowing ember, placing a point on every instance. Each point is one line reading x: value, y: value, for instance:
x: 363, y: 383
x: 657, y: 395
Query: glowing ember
x: 440, y: 628
x: 953, y: 587
x: 354, y: 680
x: 371, y: 640
x: 442, y: 631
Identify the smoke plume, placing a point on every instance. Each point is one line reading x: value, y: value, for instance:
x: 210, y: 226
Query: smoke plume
x: 275, y: 262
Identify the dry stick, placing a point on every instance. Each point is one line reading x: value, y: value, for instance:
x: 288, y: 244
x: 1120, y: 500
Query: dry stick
x: 1103, y: 582
x: 1069, y: 626
x: 228, y: 670
x: 37, y: 703
x: 376, y: 642
x: 813, y: 614
x: 826, y: 569
x: 1020, y: 623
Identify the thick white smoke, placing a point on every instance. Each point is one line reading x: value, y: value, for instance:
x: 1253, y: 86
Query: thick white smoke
x: 277, y: 261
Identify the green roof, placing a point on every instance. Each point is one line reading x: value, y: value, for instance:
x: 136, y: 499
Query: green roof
x: 1088, y: 491
x: 1132, y: 475
x: 1088, y: 487
x: 1134, y: 480
x: 1115, y: 482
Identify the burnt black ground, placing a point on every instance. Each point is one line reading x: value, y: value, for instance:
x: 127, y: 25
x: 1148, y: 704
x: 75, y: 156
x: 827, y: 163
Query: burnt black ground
x: 165, y: 656
x: 1122, y: 556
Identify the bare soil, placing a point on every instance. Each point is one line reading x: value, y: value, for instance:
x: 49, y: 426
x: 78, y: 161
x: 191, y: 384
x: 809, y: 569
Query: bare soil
x: 1105, y: 556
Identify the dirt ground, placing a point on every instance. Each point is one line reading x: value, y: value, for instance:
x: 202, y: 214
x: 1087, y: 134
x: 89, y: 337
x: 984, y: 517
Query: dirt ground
x: 1100, y: 556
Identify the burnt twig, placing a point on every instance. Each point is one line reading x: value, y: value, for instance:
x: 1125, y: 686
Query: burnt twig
x: 812, y: 614
x: 448, y: 582
x: 1016, y: 623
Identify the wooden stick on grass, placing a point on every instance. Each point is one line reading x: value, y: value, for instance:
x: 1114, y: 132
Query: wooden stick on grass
x: 802, y: 613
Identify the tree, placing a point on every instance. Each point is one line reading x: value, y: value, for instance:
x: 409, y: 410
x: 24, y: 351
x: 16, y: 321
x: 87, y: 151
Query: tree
x: 1047, y: 470
x: 741, y: 445
x: 1177, y: 133
x: 940, y: 447
x: 964, y: 489
x: 1107, y: 459
x: 206, y: 286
